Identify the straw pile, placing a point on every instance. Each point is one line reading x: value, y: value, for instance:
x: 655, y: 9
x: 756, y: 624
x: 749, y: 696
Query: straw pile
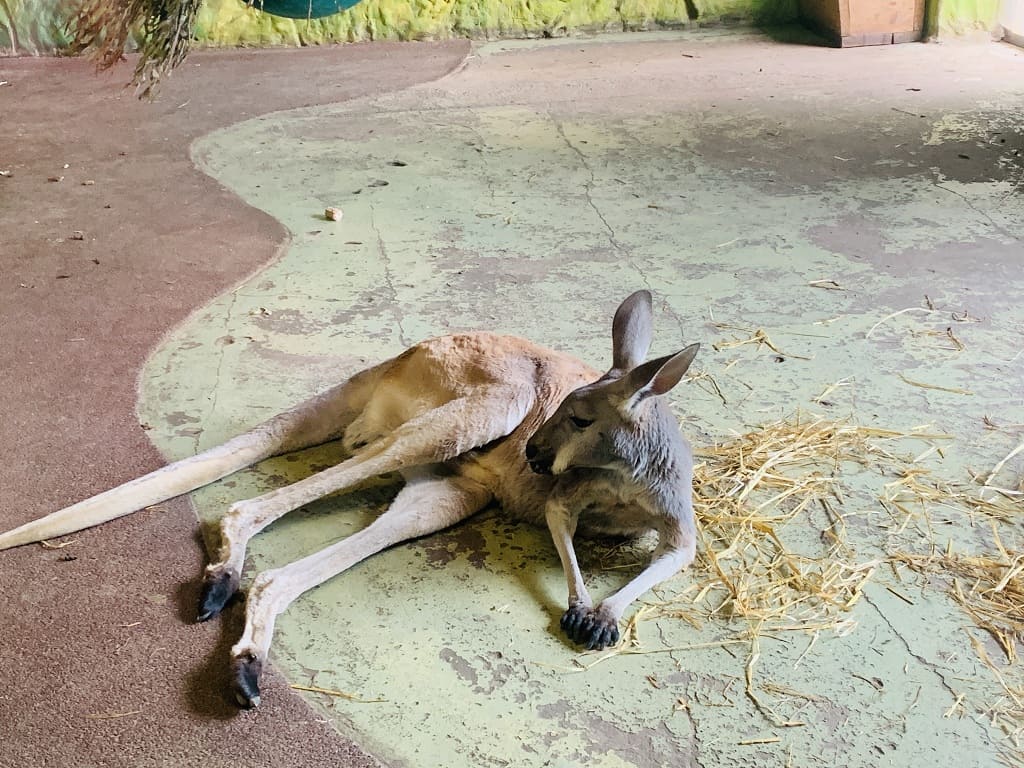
x: 766, y: 579
x: 746, y: 490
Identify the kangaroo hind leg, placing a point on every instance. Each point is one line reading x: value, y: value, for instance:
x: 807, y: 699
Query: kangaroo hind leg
x: 426, y: 504
x: 321, y: 419
x: 432, y: 437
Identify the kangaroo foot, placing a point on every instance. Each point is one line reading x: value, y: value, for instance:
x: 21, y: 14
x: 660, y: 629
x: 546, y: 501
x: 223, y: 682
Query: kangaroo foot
x: 219, y: 586
x: 593, y: 628
x: 247, y: 669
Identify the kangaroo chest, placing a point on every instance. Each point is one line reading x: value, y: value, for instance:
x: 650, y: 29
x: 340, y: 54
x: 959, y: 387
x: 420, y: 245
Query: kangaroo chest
x: 608, y: 504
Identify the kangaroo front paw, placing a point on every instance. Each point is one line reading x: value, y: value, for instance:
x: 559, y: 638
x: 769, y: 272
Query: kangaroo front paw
x: 247, y: 669
x: 590, y: 627
x: 219, y: 586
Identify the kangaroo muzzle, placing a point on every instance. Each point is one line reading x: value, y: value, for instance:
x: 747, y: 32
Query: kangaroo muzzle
x: 539, y: 461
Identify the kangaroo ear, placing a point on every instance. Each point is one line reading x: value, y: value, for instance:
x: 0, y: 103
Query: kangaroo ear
x: 631, y: 332
x: 659, y: 376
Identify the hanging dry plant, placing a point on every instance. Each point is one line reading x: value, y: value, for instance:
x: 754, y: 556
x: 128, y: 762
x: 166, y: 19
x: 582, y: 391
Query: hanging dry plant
x: 165, y: 29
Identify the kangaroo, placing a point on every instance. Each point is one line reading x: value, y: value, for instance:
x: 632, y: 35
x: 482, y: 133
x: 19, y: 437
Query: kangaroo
x: 466, y: 420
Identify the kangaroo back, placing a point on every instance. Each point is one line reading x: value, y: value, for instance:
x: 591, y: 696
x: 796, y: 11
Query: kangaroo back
x: 363, y: 410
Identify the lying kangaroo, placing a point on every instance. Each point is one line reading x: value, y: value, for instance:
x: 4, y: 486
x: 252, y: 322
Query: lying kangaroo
x: 465, y: 419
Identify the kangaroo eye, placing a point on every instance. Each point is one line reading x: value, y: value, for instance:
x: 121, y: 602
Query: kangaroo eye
x: 580, y: 423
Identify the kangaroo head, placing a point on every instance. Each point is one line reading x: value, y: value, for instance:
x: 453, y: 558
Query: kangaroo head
x: 601, y: 425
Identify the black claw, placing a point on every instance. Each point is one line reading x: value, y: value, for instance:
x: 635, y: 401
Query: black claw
x: 247, y: 681
x: 589, y: 627
x: 572, y: 620
x: 603, y: 637
x: 218, y: 589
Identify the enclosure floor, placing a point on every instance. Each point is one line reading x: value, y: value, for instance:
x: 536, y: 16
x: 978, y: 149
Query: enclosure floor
x: 750, y: 183
x: 102, y: 662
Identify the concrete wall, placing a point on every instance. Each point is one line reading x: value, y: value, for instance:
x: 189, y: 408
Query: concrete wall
x: 36, y: 25
x: 1011, y: 16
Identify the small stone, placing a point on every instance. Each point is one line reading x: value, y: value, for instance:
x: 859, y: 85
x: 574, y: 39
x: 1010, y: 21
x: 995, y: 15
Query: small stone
x: 55, y: 179
x: 334, y: 214
x: 78, y: 235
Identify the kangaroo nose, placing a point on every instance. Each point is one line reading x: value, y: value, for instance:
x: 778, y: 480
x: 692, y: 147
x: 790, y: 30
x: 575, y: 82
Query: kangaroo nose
x: 531, y: 452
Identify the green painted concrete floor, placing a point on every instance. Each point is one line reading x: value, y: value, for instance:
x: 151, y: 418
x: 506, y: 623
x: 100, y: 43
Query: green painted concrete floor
x: 542, y: 183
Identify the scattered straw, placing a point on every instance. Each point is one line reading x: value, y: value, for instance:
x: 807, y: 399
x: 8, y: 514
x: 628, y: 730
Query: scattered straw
x: 624, y: 649
x: 712, y: 387
x: 765, y: 740
x: 57, y: 544
x: 783, y: 690
x: 820, y: 399
x: 923, y: 385
x: 917, y: 497
x: 999, y: 466
x: 748, y: 488
x: 956, y: 705
x: 889, y: 317
x: 758, y: 337
x: 964, y: 317
x: 828, y: 285
x: 336, y: 694
x: 989, y: 587
x: 113, y: 715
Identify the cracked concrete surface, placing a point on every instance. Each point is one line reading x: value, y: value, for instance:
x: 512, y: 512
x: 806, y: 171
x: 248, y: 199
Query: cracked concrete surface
x: 541, y: 184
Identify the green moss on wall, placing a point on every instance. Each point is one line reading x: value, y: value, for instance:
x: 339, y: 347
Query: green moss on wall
x: 230, y: 22
x: 31, y: 26
x: 37, y: 26
x: 961, y: 17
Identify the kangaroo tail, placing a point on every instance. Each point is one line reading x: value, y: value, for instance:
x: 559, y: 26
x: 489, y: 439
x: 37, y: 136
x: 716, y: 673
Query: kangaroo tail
x: 162, y: 484
x: 317, y: 420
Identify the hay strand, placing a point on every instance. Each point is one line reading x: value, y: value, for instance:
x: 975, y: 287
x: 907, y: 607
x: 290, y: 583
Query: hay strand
x: 889, y: 317
x: 923, y: 385
x: 335, y: 693
x: 1002, y: 463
